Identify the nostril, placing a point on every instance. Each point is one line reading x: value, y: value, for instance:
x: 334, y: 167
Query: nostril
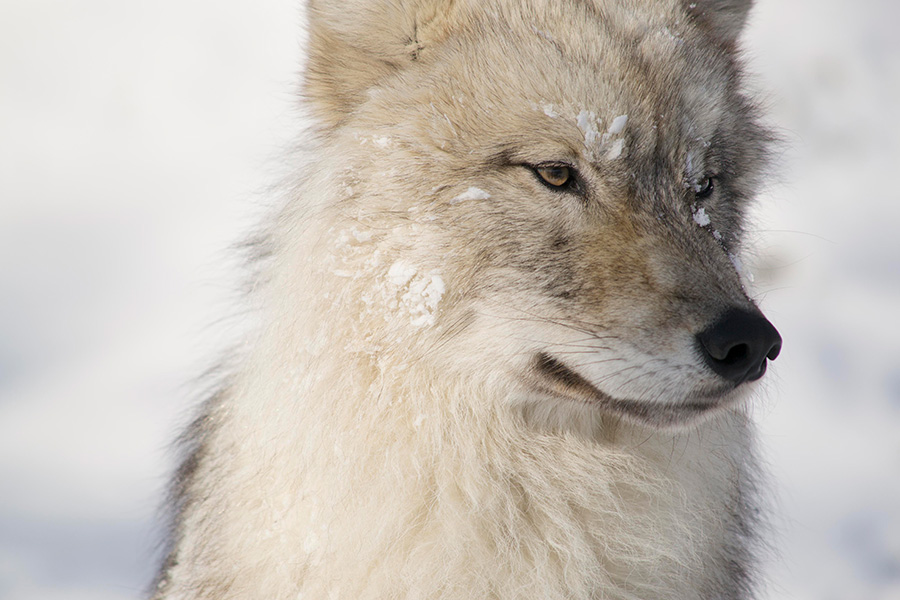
x: 737, y: 345
x: 737, y: 354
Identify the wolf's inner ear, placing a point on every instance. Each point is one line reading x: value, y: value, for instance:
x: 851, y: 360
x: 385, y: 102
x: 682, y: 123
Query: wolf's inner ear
x: 354, y: 43
x: 723, y: 19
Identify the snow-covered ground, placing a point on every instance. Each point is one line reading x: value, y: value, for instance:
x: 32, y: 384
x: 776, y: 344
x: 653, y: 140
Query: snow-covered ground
x: 135, y: 144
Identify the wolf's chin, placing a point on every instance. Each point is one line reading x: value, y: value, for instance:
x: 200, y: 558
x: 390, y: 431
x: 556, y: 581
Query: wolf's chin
x: 553, y: 378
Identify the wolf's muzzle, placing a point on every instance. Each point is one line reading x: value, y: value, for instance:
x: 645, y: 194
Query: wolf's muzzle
x: 738, y: 345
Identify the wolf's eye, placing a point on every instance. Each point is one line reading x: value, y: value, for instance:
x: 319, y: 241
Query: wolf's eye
x: 704, y: 187
x: 555, y: 176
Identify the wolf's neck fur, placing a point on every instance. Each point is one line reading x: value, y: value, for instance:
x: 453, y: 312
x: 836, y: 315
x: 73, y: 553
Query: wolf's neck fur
x: 339, y: 473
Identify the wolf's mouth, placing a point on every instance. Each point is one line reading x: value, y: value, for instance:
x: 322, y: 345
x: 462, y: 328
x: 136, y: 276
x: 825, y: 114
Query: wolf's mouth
x: 555, y: 378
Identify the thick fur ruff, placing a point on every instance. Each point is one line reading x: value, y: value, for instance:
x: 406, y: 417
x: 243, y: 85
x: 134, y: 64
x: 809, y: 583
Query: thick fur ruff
x: 468, y: 382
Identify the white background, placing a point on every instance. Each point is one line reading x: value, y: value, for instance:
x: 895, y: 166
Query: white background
x: 136, y: 142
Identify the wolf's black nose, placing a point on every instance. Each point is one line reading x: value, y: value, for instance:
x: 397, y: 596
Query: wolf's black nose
x: 737, y: 345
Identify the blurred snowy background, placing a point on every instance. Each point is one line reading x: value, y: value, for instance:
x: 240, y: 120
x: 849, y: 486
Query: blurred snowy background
x: 136, y: 139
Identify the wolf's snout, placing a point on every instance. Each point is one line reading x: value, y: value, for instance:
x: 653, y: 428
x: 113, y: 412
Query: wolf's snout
x: 738, y: 344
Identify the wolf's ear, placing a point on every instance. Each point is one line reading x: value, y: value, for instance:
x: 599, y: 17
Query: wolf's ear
x: 354, y: 43
x: 724, y: 19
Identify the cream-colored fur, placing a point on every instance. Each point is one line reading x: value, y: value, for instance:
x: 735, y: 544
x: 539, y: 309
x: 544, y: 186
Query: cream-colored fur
x: 387, y: 433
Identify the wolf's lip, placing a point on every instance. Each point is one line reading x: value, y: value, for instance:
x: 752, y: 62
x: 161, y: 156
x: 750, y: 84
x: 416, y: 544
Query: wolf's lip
x: 557, y: 379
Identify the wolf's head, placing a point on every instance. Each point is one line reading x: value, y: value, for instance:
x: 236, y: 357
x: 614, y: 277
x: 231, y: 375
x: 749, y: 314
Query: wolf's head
x: 551, y: 190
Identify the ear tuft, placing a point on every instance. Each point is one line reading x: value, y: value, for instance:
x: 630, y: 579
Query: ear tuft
x: 354, y: 43
x: 724, y: 19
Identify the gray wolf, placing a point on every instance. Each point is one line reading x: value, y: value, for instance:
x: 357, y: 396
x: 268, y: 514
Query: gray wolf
x: 505, y: 349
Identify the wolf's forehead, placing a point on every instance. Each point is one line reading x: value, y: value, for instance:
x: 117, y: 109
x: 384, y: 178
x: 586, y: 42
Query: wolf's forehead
x: 592, y: 72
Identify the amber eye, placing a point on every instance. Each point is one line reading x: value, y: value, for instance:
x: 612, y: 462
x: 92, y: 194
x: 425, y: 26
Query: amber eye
x: 555, y: 176
x: 704, y: 187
